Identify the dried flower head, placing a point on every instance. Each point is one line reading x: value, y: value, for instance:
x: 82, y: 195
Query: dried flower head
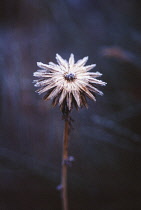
x: 67, y: 83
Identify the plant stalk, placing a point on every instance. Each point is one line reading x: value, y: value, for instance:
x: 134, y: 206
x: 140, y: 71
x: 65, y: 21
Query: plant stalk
x: 64, y: 166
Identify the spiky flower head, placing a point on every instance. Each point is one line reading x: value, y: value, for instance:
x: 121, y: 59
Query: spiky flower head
x: 67, y: 83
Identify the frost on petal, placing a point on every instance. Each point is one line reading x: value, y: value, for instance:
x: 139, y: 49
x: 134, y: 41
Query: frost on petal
x: 94, y: 89
x: 88, y: 68
x: 61, y: 61
x: 47, y: 94
x: 52, y: 64
x: 83, y: 100
x: 71, y: 60
x: 62, y: 97
x: 42, y: 70
x: 55, y: 92
x: 41, y: 83
x: 42, y: 65
x: 76, y: 96
x: 42, y: 74
x: 96, y: 81
x: 55, y: 100
x: 69, y: 100
x: 46, y: 88
x: 82, y: 62
x: 90, y: 95
x: 54, y: 68
x: 94, y: 74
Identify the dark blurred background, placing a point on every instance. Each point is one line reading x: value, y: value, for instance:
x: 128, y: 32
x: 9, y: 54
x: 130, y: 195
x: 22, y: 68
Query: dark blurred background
x: 106, y: 139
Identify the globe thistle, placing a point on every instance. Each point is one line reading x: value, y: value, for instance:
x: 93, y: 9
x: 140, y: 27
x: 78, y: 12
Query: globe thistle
x: 68, y: 83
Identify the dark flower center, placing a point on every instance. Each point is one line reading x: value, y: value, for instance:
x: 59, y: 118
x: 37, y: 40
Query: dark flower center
x: 70, y: 77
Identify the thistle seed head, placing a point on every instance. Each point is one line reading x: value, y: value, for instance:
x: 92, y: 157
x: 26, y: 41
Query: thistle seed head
x: 67, y: 83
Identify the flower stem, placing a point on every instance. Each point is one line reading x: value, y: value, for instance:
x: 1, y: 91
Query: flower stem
x: 64, y: 165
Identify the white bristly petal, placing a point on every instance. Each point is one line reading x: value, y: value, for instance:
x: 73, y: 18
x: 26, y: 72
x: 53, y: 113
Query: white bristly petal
x: 54, y: 93
x: 41, y: 74
x: 42, y: 65
x: 96, y: 81
x: 43, y: 70
x: 76, y: 96
x: 93, y: 89
x: 82, y: 62
x: 88, y: 75
x: 51, y: 63
x: 43, y: 82
x: 61, y: 61
x: 71, y: 60
x: 62, y: 97
x: 94, y: 74
x: 90, y: 95
x: 46, y: 88
x: 88, y: 68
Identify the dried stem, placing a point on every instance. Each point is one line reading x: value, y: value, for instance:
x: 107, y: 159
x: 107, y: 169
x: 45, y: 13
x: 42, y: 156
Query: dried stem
x: 64, y: 165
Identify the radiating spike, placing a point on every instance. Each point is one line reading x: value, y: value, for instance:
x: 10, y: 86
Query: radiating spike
x: 56, y: 100
x: 43, y: 70
x: 90, y: 95
x: 88, y: 68
x: 46, y: 88
x: 42, y: 65
x: 84, y: 73
x: 83, y: 100
x: 76, y: 96
x: 82, y: 62
x: 94, y: 89
x: 61, y: 61
x: 47, y: 94
x: 96, y: 81
x: 71, y: 60
x: 95, y: 74
x: 74, y: 103
x: 42, y: 83
x: 40, y: 74
x: 63, y: 95
x: 55, y: 92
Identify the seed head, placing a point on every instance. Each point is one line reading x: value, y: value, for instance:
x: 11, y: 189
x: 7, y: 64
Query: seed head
x: 68, y: 83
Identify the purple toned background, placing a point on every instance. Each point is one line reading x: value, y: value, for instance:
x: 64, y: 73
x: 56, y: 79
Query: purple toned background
x: 106, y: 140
